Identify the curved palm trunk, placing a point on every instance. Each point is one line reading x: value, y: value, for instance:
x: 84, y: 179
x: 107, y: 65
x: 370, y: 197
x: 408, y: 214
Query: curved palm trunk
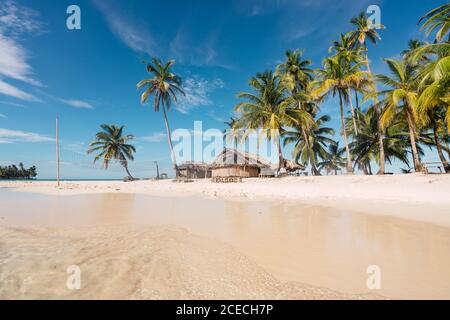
x: 439, y: 150
x: 382, y: 159
x: 344, y: 131
x: 169, y: 138
x: 125, y: 165
x: 412, y: 137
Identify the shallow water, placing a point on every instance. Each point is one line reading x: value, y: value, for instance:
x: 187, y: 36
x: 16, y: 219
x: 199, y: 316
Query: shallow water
x: 318, y: 246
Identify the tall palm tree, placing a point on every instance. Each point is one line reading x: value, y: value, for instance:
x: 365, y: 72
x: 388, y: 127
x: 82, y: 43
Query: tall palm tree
x: 112, y: 144
x: 337, y: 78
x: 266, y: 107
x: 335, y: 159
x: 437, y: 20
x: 296, y: 77
x: 401, y: 99
x: 365, y: 31
x: 164, y: 86
x: 314, y: 147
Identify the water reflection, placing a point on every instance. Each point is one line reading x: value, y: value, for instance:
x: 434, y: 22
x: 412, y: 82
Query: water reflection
x: 319, y: 246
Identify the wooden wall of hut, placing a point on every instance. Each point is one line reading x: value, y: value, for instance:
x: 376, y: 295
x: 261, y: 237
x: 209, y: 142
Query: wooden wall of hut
x: 194, y: 173
x: 236, y: 171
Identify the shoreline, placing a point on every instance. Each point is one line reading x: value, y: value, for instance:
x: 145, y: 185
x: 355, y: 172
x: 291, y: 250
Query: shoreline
x: 415, y: 196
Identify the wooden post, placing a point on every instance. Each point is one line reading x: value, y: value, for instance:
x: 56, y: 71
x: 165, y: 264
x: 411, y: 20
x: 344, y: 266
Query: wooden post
x: 57, y: 153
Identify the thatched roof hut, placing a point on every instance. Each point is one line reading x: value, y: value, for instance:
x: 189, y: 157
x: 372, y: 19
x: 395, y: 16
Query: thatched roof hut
x: 233, y: 163
x: 194, y: 170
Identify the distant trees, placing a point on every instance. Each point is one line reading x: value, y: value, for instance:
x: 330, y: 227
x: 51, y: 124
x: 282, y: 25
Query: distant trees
x: 14, y: 172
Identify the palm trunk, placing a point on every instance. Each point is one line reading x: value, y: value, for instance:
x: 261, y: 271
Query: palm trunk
x: 344, y: 131
x: 169, y: 138
x: 382, y: 159
x: 412, y: 136
x: 352, y: 110
x: 235, y: 150
x: 128, y: 172
x: 312, y: 160
x: 280, y: 154
x: 439, y: 150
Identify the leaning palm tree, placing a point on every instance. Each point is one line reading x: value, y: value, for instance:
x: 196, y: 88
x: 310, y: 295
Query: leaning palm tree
x: 266, y: 107
x: 401, y: 100
x: 311, y: 147
x: 164, y: 86
x: 365, y: 31
x: 437, y: 20
x: 113, y: 145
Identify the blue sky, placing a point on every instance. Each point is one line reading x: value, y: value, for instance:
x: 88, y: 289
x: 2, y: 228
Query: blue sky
x: 88, y: 76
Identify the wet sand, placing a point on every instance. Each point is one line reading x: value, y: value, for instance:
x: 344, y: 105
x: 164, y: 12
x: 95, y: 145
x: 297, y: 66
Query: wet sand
x: 147, y: 247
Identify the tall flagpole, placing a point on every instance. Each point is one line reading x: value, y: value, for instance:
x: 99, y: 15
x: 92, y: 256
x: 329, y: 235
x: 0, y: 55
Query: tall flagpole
x: 57, y: 152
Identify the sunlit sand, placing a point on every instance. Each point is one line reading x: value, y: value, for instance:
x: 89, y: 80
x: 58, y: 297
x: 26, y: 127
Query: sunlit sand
x: 218, y: 244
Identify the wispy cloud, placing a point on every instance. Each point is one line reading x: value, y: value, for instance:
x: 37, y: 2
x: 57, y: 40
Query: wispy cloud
x: 2, y: 115
x: 7, y: 103
x: 12, y: 136
x: 77, y: 103
x: 16, y: 20
x: 198, y: 93
x: 155, y: 137
x: 134, y: 35
x: 13, y: 91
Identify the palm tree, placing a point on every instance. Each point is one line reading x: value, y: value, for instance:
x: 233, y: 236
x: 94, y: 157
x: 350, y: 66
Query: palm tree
x: 337, y: 77
x: 266, y: 107
x: 113, y: 145
x: 335, y: 159
x: 401, y: 100
x: 233, y: 133
x: 295, y: 73
x: 364, y: 146
x: 296, y: 77
x: 363, y: 31
x: 437, y: 19
x: 434, y: 76
x: 312, y: 148
x: 164, y: 86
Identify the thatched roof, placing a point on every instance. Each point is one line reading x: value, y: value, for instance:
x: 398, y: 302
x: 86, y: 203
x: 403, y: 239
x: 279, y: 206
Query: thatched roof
x: 231, y: 157
x: 193, y: 165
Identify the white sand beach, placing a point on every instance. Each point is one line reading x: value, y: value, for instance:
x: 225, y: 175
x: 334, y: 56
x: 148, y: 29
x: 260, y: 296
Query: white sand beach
x: 290, y: 238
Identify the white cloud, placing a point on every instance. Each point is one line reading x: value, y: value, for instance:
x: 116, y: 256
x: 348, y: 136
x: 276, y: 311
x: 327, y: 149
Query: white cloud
x: 12, y: 91
x: 2, y: 115
x: 11, y: 136
x: 155, y: 137
x: 77, y: 103
x: 198, y: 91
x: 134, y: 35
x: 14, y: 21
